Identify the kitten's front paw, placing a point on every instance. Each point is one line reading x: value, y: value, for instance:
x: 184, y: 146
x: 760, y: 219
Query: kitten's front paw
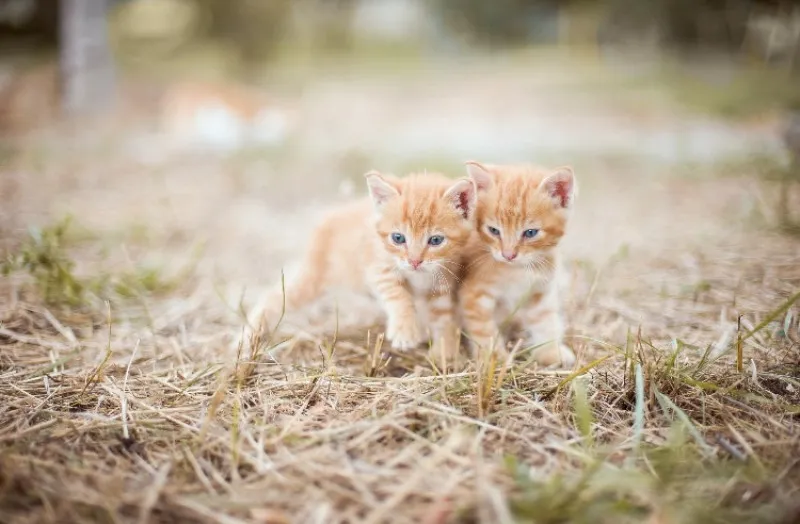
x: 496, y: 344
x: 404, y: 335
x: 554, y: 355
x: 445, y: 350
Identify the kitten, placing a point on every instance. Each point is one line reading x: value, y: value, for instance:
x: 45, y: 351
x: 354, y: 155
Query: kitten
x: 513, y: 266
x: 221, y: 116
x: 403, y: 244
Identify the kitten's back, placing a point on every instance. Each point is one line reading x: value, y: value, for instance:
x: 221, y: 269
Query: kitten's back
x: 347, y: 240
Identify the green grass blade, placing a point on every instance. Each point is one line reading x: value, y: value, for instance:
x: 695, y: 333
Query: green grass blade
x: 569, y: 378
x: 583, y: 412
x: 638, y: 413
x: 772, y: 316
x: 666, y: 402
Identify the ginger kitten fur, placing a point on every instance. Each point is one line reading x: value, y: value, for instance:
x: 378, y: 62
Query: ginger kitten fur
x: 510, y: 279
x: 404, y: 245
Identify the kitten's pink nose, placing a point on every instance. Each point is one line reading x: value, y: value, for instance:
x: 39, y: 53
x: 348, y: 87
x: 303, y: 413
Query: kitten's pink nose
x: 509, y: 255
x: 415, y: 263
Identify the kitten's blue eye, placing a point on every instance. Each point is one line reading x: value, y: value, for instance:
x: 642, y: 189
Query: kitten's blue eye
x: 494, y: 231
x: 530, y: 233
x: 398, y: 238
x: 436, y: 240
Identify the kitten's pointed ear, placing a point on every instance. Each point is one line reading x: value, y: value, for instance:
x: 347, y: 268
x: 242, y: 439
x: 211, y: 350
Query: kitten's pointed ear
x: 560, y: 186
x: 480, y: 175
x: 463, y: 196
x: 380, y: 189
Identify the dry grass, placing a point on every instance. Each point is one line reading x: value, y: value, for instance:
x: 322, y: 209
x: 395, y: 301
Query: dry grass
x: 122, y: 400
x: 133, y: 410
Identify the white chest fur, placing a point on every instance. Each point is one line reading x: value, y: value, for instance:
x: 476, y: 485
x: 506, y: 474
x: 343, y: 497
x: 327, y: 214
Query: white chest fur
x: 515, y: 290
x: 514, y: 284
x: 421, y: 283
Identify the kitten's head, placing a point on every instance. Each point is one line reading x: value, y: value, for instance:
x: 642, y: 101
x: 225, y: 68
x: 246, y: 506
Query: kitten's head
x: 424, y: 220
x: 522, y: 211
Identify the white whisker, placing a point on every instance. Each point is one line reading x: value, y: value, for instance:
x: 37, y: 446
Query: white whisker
x: 479, y: 258
x: 441, y: 281
x: 442, y: 266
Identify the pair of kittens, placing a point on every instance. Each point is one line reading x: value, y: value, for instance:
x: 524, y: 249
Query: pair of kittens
x: 447, y: 256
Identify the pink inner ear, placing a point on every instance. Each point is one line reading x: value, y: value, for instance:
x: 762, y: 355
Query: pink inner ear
x: 562, y: 190
x: 463, y: 203
x: 380, y: 190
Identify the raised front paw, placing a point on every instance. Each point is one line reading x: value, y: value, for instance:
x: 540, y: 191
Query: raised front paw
x: 492, y: 343
x: 445, y: 348
x: 404, y: 335
x: 554, y: 355
x: 486, y: 345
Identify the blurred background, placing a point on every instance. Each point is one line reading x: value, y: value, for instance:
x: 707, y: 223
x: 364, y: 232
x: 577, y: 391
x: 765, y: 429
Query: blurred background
x: 166, y: 124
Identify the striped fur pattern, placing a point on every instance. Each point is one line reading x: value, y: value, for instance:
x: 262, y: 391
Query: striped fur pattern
x: 404, y: 245
x: 509, y: 287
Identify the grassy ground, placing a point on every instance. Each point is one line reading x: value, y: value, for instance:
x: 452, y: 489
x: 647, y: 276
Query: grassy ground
x: 125, y: 400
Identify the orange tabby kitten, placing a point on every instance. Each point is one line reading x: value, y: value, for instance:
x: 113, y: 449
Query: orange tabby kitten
x: 403, y: 245
x: 221, y: 115
x: 522, y: 215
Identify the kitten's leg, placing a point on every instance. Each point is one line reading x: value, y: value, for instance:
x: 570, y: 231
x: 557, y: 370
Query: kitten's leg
x: 444, y: 330
x: 279, y: 300
x: 302, y: 286
x: 478, y: 307
x: 265, y: 317
x: 543, y: 328
x: 398, y: 303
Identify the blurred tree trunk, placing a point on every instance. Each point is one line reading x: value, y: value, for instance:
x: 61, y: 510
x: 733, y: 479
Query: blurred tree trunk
x: 87, y: 68
x: 580, y: 24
